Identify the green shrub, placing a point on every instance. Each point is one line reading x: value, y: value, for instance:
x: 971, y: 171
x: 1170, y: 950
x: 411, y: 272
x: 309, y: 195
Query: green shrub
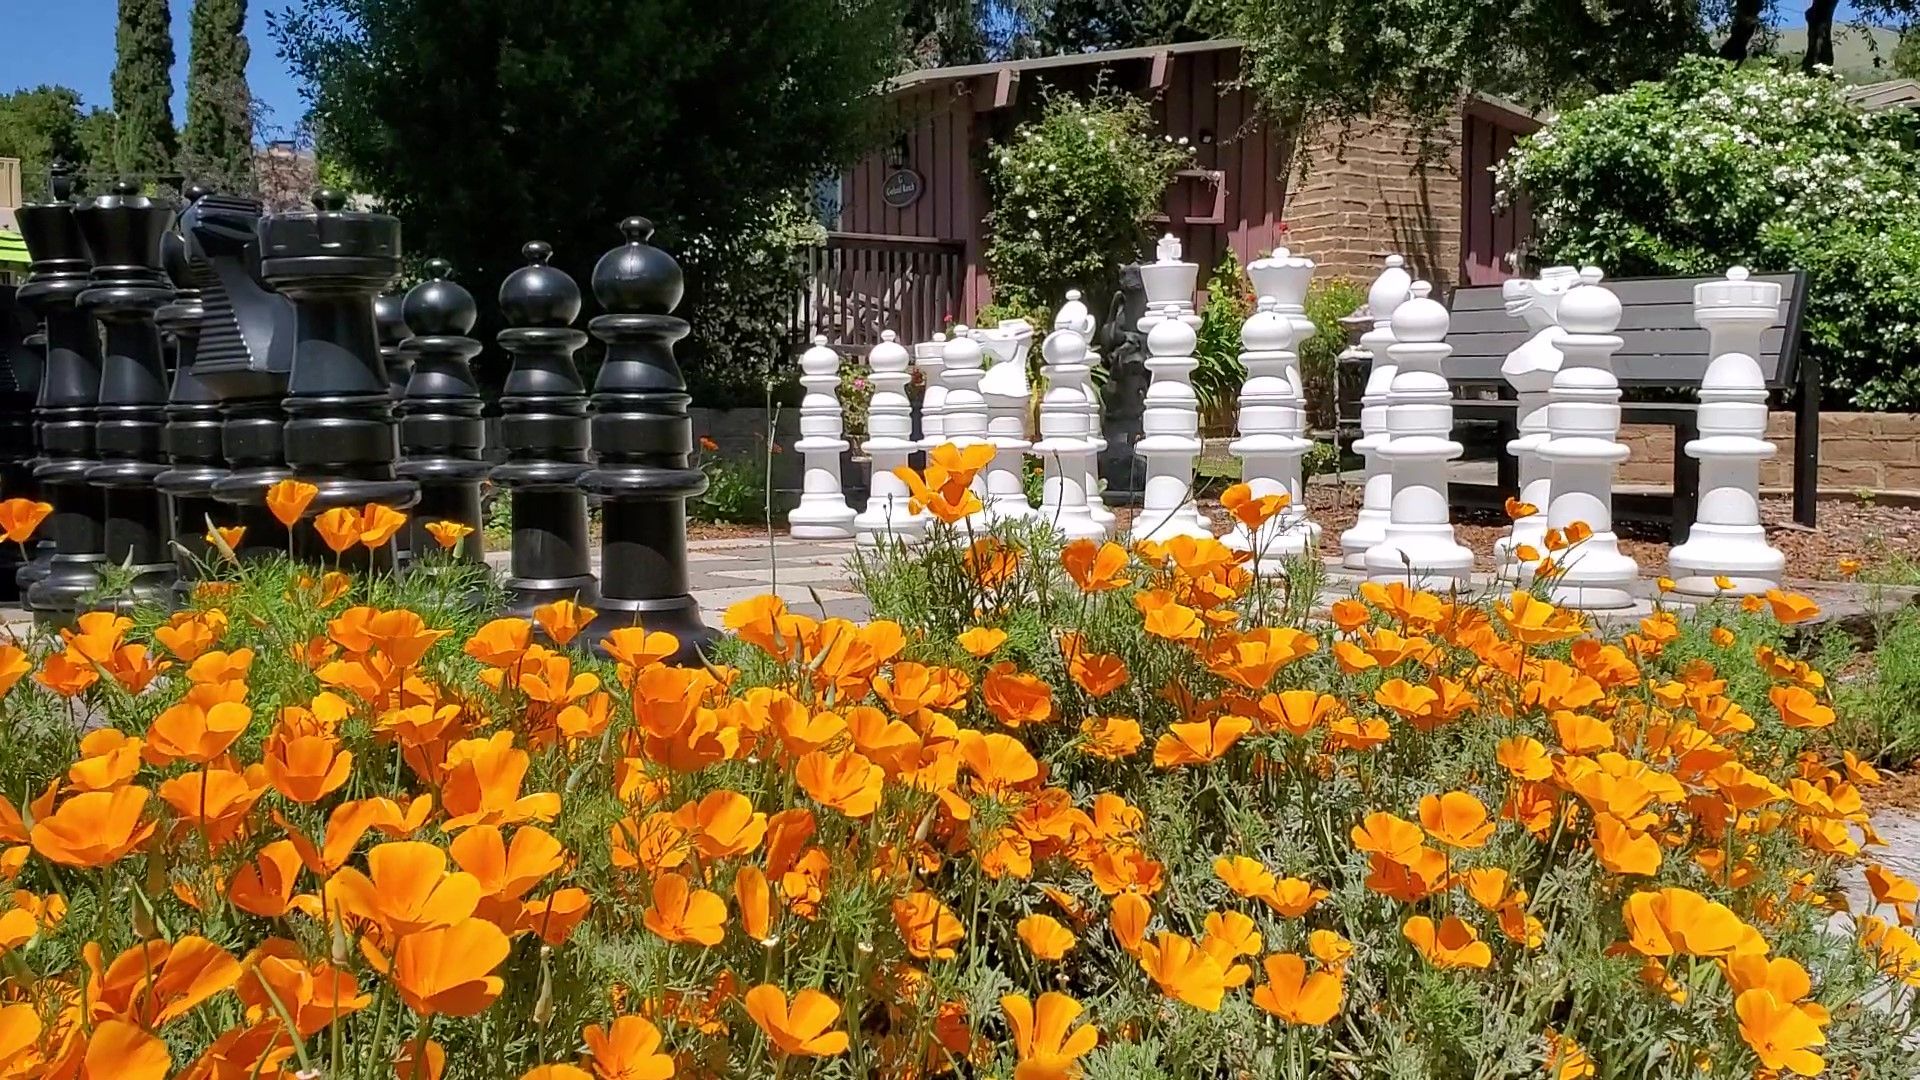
x: 1217, y: 380
x: 736, y: 491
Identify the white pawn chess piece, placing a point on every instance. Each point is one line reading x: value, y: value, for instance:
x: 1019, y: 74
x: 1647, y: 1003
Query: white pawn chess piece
x: 1282, y: 281
x: 1269, y: 446
x: 823, y: 513
x: 1419, y: 547
x: 1529, y: 369
x: 1584, y: 452
x: 1389, y: 291
x: 1171, y: 419
x: 1727, y: 539
x: 963, y: 413
x: 1074, y: 315
x: 929, y: 357
x: 1064, y: 449
x: 888, y: 516
x: 1005, y: 388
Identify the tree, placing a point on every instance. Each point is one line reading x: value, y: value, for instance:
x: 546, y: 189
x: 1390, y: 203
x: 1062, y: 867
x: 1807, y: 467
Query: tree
x: 218, y: 145
x: 1072, y: 26
x: 40, y: 126
x: 143, y: 139
x: 1906, y: 56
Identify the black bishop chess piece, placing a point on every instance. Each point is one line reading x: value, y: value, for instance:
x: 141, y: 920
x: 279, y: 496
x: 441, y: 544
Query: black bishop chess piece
x: 194, y: 421
x: 64, y: 412
x: 543, y: 427
x: 340, y: 432
x: 441, y: 433
x: 642, y: 438
x: 22, y: 354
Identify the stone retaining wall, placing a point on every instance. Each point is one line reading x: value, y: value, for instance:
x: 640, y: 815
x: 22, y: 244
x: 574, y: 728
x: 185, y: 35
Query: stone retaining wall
x: 1878, y: 452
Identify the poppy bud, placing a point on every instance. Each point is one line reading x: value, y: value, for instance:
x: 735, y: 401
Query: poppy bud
x: 543, y: 1002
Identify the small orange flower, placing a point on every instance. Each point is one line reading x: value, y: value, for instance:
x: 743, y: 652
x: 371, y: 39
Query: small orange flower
x: 288, y: 500
x: 1015, y: 698
x: 1249, y: 510
x: 981, y: 641
x: 1200, y: 742
x: 1045, y: 937
x: 1295, y: 996
x: 1455, y: 819
x: 751, y: 892
x: 448, y: 533
x: 93, y: 829
x: 627, y: 1049
x: 1184, y: 971
x: 225, y: 538
x: 682, y: 913
x: 447, y: 971
x: 563, y: 619
x: 1047, y: 1049
x: 1516, y: 509
x: 339, y: 528
x: 707, y: 444
x: 847, y: 782
x: 1095, y: 567
x: 379, y: 524
x: 1791, y: 608
x: 20, y: 517
x: 1453, y: 944
x: 802, y: 1028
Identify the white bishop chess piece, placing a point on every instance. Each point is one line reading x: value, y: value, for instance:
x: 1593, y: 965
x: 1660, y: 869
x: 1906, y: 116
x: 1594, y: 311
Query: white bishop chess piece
x: 1171, y: 419
x: 1065, y: 451
x: 888, y: 515
x: 1419, y: 547
x: 1391, y: 289
x: 823, y: 513
x: 1529, y: 369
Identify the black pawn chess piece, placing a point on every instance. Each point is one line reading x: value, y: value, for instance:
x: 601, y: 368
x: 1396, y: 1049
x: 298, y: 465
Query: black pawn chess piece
x: 441, y: 432
x: 22, y: 354
x: 340, y: 432
x: 543, y: 426
x: 641, y: 441
x: 64, y: 412
x: 194, y: 421
x: 244, y: 352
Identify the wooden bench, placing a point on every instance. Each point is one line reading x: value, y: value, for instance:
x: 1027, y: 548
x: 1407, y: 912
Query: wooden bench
x: 1664, y: 350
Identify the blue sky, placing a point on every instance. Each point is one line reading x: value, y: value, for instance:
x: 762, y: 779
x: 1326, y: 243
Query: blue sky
x: 70, y: 42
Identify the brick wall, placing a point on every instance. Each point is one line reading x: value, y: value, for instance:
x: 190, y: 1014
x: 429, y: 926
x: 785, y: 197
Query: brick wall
x: 1351, y: 203
x: 1858, y: 452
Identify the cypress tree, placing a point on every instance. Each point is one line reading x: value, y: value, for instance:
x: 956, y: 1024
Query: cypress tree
x: 143, y: 141
x: 218, y: 145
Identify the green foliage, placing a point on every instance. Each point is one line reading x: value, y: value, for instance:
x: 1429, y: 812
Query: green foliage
x: 1328, y: 301
x: 1071, y: 195
x: 218, y: 142
x: 1906, y: 55
x: 1721, y: 165
x: 1072, y: 26
x: 143, y: 138
x: 44, y: 125
x: 736, y: 491
x: 741, y: 290
x: 1230, y: 300
x: 1877, y: 717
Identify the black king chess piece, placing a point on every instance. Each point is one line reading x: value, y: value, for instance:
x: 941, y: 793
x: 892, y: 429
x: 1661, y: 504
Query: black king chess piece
x: 641, y: 441
x: 543, y: 426
x: 441, y: 432
x: 340, y: 436
x: 194, y: 422
x: 64, y: 413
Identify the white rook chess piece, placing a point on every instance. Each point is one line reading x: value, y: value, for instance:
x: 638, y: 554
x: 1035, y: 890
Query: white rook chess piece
x: 1419, y: 546
x: 1726, y: 539
x: 1171, y: 419
x: 1281, y: 282
x: 929, y: 357
x: 1005, y: 389
x: 1064, y: 449
x: 1074, y: 315
x: 1389, y: 291
x: 1529, y: 369
x: 963, y: 414
x: 1583, y: 450
x: 889, y: 441
x: 823, y: 513
x: 1269, y: 446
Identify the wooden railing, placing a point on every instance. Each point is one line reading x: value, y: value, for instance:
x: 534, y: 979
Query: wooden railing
x: 858, y: 284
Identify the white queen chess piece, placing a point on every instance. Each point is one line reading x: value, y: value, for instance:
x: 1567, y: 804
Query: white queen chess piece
x: 1171, y: 419
x: 823, y: 513
x: 1064, y: 449
x: 1529, y: 369
x: 1006, y: 391
x: 1419, y: 547
x: 1270, y: 446
x: 1391, y: 289
x: 889, y: 441
x: 1584, y: 452
x: 1727, y: 539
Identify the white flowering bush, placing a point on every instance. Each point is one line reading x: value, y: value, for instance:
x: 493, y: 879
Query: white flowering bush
x: 1072, y: 193
x: 1718, y: 165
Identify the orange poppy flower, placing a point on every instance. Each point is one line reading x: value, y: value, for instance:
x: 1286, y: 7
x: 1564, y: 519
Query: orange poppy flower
x: 927, y: 926
x: 1129, y: 918
x: 1199, y: 742
x: 108, y: 759
x: 198, y: 729
x: 407, y: 890
x: 265, y: 885
x: 847, y: 782
x: 1455, y: 819
x: 66, y: 674
x: 500, y: 643
x: 379, y: 524
x: 563, y: 619
x: 507, y: 872
x: 1517, y: 509
x: 723, y: 824
x: 447, y: 971
x: 1298, y: 712
x: 1045, y: 937
x: 639, y: 648
x: 626, y: 1049
x: 216, y: 801
x: 1164, y: 618
x: 119, y: 1050
x: 1799, y: 709
x: 1099, y: 674
x: 277, y: 977
x: 1249, y: 510
x: 93, y: 829
x: 1095, y: 567
x: 1790, y: 608
x: 482, y: 785
x: 1184, y: 971
x: 1682, y: 922
x: 448, y: 533
x: 981, y: 641
x: 1533, y: 621
x: 225, y: 538
x: 553, y: 918
x: 1623, y: 849
x: 20, y: 517
x: 419, y: 1059
x: 339, y: 528
x: 1046, y: 1049
x: 1453, y: 944
x: 288, y: 500
x: 802, y: 1028
x: 751, y: 892
x: 681, y: 913
x: 1014, y: 698
x: 1293, y: 995
x: 307, y: 768
x: 1110, y: 737
x: 1292, y: 897
x: 14, y: 666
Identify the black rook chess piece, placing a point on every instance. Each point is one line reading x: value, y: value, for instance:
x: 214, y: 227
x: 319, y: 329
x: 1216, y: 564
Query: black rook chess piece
x: 641, y: 440
x: 340, y: 422
x: 64, y: 413
x: 22, y: 353
x: 441, y: 433
x: 192, y: 434
x: 543, y: 425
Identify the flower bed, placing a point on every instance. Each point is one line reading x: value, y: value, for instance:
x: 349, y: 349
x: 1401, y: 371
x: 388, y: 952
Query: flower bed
x: 1100, y: 811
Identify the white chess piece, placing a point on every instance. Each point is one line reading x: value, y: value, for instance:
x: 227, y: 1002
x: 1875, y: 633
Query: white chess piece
x: 1389, y: 291
x: 1171, y: 420
x: 1727, y: 539
x: 1064, y: 448
x: 889, y: 441
x: 1269, y: 446
x: 823, y: 513
x: 1584, y: 452
x: 1007, y: 393
x: 1074, y: 315
x: 963, y: 414
x: 1529, y: 369
x: 1419, y: 547
x: 929, y: 357
x: 1282, y: 281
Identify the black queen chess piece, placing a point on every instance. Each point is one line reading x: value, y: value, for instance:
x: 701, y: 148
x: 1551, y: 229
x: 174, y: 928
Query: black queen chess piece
x: 340, y: 431
x: 442, y: 435
x: 642, y: 439
x: 64, y: 411
x: 543, y: 428
x: 194, y: 422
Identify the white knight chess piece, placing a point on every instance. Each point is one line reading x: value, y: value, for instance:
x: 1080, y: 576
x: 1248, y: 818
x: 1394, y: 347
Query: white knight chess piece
x: 1529, y: 369
x: 1006, y: 391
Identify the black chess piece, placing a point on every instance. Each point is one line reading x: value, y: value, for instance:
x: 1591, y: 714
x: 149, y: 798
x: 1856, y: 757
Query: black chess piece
x: 641, y: 439
x: 543, y: 425
x: 441, y: 432
x: 64, y: 412
x: 392, y: 325
x: 243, y: 354
x: 340, y: 431
x: 22, y: 354
x: 194, y: 421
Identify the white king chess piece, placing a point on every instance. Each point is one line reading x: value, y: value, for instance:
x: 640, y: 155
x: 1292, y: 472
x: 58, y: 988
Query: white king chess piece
x: 823, y: 513
x: 1171, y: 419
x: 1074, y: 315
x: 1270, y: 446
x: 889, y: 441
x: 1005, y: 389
x: 1064, y: 449
x: 1584, y: 452
x: 1529, y: 369
x: 1391, y: 289
x: 1727, y: 539
x: 1420, y: 548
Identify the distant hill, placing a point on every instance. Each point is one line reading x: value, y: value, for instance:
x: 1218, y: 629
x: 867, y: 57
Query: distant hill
x: 1861, y: 54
